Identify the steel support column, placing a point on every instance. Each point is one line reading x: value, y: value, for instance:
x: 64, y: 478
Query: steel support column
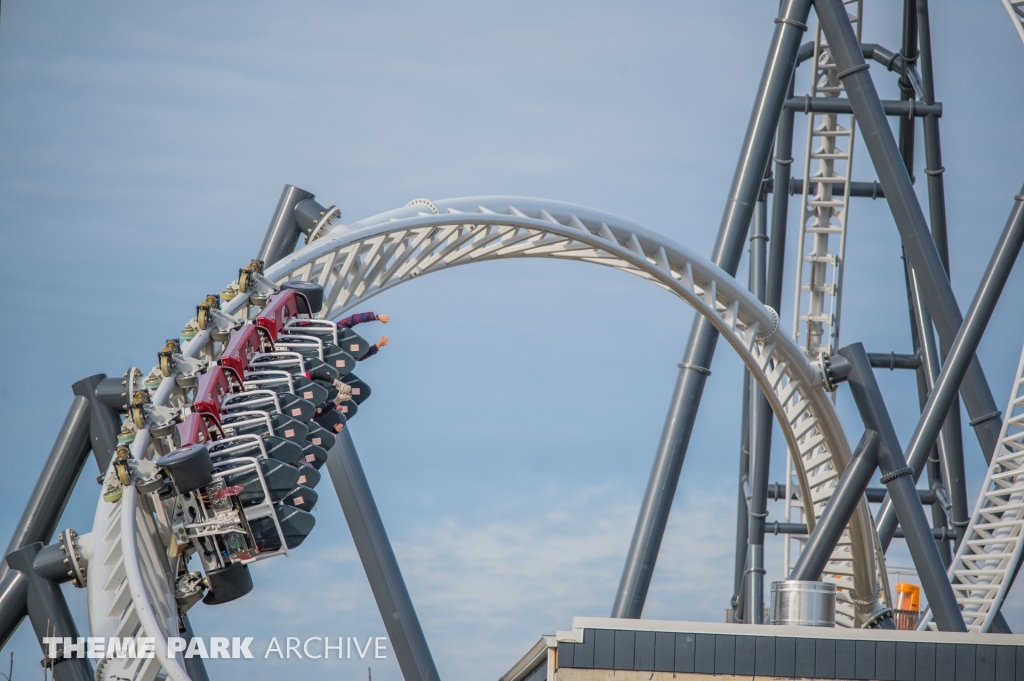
x: 283, y: 232
x: 898, y: 479
x: 13, y: 597
x: 910, y: 220
x: 742, y: 509
x: 908, y: 129
x: 378, y: 559
x: 780, y: 208
x: 962, y: 352
x: 932, y: 148
x: 833, y: 521
x: 760, y: 431
x: 949, y: 443
x: 49, y: 614
x: 56, y: 481
x: 695, y: 367
x: 104, y: 422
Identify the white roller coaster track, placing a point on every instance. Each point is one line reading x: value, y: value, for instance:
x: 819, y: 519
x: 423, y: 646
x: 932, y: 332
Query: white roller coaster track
x: 822, y: 214
x: 130, y: 588
x: 828, y: 161
x: 981, y: 570
x: 1016, y: 10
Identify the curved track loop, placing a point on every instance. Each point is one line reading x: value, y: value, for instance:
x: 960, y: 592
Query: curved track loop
x: 981, y: 570
x: 378, y: 253
x: 130, y: 586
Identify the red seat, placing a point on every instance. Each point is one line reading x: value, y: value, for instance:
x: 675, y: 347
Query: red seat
x: 282, y: 308
x: 243, y: 344
x: 213, y: 385
x: 194, y: 430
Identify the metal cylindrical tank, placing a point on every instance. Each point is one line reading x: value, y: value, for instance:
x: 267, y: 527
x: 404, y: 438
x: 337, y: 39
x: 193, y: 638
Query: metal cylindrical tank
x: 810, y: 604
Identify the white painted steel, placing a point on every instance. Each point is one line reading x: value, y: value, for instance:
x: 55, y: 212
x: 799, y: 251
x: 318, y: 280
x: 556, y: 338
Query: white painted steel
x: 981, y: 570
x: 356, y: 263
x: 828, y: 159
x: 1016, y: 10
x: 378, y: 253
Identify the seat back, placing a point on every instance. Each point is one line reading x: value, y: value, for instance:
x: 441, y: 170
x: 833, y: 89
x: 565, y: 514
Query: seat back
x: 282, y: 308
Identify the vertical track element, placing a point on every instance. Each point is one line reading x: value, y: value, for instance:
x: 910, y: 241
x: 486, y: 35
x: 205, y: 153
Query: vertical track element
x: 828, y: 159
x: 827, y: 163
x: 981, y: 572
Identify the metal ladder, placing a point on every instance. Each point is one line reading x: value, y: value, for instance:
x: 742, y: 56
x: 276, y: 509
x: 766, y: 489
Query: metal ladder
x: 823, y: 214
x: 828, y: 159
x: 981, y: 570
x: 1016, y: 10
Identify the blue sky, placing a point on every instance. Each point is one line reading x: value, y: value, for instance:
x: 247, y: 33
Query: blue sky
x: 516, y: 412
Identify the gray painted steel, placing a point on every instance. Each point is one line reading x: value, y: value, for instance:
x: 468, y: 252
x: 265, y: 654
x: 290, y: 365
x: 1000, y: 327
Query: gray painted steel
x: 921, y: 327
x: 875, y: 495
x: 840, y: 105
x: 746, y: 184
x: 111, y: 392
x: 13, y: 595
x: 782, y: 188
x: 922, y: 547
x: 195, y: 666
x: 742, y: 519
x: 860, y: 189
x: 382, y: 571
x: 56, y: 481
x: 49, y: 613
x: 49, y: 563
x: 283, y: 232
x: 892, y: 360
x: 907, y: 127
x: 932, y: 145
x: 950, y: 445
x: 761, y: 432
x: 937, y: 201
x: 104, y: 423
x: 960, y: 356
x: 829, y: 528
x: 906, y: 211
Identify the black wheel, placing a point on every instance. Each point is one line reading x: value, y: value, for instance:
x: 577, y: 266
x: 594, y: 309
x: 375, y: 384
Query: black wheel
x: 189, y: 468
x: 228, y: 584
x: 314, y: 293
